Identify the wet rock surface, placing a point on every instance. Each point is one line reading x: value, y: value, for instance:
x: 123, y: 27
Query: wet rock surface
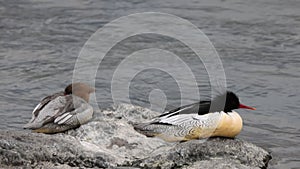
x: 109, y: 141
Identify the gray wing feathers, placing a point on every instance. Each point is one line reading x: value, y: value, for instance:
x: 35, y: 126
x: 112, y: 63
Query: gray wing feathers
x: 80, y: 112
x: 62, y: 110
x: 63, y: 118
x: 36, y: 108
x: 44, y: 102
x: 46, y: 114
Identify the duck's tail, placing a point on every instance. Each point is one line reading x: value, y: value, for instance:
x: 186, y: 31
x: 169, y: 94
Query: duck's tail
x: 32, y: 125
x: 146, y: 129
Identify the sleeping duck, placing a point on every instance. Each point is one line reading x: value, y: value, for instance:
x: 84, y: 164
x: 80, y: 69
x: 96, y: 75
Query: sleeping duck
x: 63, y: 110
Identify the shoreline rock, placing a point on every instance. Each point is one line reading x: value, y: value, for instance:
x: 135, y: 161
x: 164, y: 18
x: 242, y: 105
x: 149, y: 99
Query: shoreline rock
x: 109, y: 141
x: 213, y: 153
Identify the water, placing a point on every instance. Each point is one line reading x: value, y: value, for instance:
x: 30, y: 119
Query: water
x: 259, y: 44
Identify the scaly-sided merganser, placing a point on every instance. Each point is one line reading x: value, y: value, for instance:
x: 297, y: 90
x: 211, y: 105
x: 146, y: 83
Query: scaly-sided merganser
x: 196, y: 121
x: 63, y: 110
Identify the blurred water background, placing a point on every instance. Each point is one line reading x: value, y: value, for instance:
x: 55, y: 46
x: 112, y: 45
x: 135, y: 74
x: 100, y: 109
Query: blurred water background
x: 258, y: 42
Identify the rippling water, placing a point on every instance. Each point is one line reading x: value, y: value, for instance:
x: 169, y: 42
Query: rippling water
x: 259, y: 44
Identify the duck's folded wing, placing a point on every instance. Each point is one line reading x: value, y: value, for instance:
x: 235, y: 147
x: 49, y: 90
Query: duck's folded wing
x: 200, y: 108
x: 43, y: 103
x: 182, y: 119
x: 48, y: 109
x: 76, y: 112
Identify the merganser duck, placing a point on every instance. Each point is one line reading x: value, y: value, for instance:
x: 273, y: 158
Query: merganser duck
x: 63, y: 110
x: 196, y: 121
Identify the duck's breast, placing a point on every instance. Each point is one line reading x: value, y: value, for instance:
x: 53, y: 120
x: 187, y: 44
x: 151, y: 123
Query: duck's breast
x: 230, y: 125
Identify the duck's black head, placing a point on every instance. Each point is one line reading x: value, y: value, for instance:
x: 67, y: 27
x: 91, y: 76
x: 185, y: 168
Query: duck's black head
x: 233, y: 102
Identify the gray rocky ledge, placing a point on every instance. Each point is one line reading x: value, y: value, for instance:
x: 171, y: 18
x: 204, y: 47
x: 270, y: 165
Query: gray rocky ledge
x: 109, y: 141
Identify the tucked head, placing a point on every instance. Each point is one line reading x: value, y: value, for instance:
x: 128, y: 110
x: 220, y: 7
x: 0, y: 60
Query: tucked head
x: 233, y: 102
x: 80, y: 89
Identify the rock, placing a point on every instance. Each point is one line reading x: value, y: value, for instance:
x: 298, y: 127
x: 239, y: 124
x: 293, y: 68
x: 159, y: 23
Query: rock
x: 18, y: 148
x: 213, y: 153
x: 109, y: 141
